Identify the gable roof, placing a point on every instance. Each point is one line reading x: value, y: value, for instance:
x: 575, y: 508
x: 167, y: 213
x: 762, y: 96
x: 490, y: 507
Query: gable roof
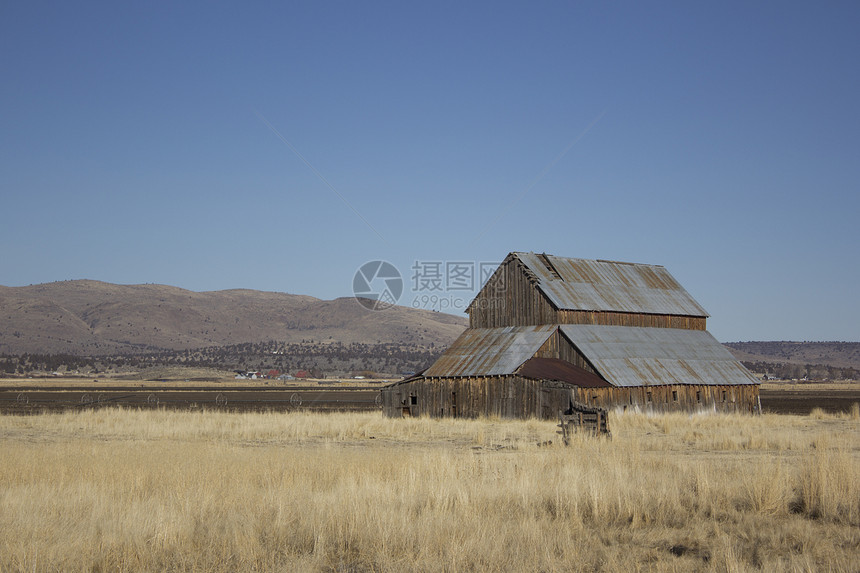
x: 490, y: 351
x: 638, y: 356
x: 596, y: 285
x: 621, y: 356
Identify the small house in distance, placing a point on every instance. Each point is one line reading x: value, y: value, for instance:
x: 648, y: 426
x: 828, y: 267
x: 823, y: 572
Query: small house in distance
x: 546, y: 333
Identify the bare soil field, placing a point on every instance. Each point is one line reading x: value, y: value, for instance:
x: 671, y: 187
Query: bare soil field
x: 792, y: 398
x: 182, y: 390
x: 114, y: 489
x: 224, y: 392
x: 41, y: 400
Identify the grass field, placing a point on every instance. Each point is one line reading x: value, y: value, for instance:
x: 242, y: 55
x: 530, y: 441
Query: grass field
x: 150, y: 490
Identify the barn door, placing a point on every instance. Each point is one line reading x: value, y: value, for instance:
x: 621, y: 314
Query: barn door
x: 410, y: 408
x: 544, y: 406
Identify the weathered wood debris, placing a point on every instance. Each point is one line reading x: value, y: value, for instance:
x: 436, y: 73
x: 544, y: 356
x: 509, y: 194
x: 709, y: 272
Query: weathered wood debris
x: 582, y: 418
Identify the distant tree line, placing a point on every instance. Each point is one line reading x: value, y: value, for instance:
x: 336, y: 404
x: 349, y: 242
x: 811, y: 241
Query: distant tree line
x: 785, y: 371
x: 25, y: 363
x: 318, y: 358
x: 333, y: 358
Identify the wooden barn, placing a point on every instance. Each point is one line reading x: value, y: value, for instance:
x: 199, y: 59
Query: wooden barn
x: 549, y: 332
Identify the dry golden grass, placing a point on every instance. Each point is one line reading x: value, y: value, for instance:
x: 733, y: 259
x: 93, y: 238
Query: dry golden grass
x: 106, y: 490
x: 838, y: 385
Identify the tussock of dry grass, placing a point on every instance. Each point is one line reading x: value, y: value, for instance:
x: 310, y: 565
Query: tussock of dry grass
x: 173, y: 491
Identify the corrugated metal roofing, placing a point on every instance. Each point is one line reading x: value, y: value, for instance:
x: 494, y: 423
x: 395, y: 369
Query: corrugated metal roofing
x: 582, y: 284
x: 636, y: 356
x: 490, y: 351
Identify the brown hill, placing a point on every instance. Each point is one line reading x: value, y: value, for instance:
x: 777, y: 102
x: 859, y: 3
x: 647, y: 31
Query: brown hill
x: 834, y: 354
x: 88, y: 317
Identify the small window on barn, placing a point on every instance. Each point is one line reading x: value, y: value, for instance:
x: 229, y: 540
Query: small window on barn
x: 698, y: 396
x: 413, y: 400
x: 648, y: 396
x: 724, y: 395
x: 594, y: 397
x: 674, y: 395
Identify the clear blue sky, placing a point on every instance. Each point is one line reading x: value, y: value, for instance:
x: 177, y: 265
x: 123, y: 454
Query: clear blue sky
x: 146, y: 143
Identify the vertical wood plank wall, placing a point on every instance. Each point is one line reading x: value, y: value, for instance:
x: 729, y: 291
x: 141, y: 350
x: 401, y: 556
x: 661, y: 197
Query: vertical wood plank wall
x: 558, y: 346
x: 511, y: 298
x: 607, y: 318
x: 674, y: 398
x: 518, y: 397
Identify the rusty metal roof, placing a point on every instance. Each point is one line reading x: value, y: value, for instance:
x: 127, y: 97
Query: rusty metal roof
x: 490, y: 351
x: 563, y: 371
x: 582, y: 284
x: 636, y: 356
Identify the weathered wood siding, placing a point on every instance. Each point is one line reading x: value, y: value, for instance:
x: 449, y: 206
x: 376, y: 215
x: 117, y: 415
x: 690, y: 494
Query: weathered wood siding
x: 675, y: 398
x: 518, y: 397
x: 558, y: 346
x: 631, y: 319
x: 502, y: 396
x: 511, y: 298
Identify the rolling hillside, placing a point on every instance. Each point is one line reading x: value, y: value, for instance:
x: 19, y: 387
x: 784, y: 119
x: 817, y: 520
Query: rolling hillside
x: 834, y: 354
x: 92, y: 318
x: 86, y: 317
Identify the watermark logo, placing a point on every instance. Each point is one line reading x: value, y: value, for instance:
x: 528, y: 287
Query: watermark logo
x: 435, y: 285
x: 377, y: 285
